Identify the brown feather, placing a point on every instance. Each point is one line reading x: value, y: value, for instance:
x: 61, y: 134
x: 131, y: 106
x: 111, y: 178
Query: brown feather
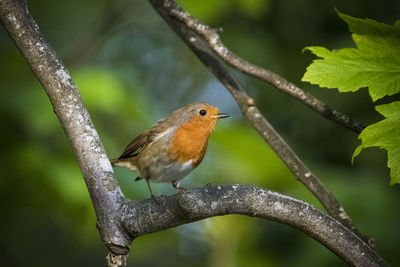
x: 125, y: 162
x: 136, y: 144
x: 142, y: 140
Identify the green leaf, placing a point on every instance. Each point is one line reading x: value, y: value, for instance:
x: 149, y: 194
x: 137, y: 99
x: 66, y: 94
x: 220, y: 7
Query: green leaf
x: 369, y: 26
x: 385, y: 134
x: 375, y: 63
x: 356, y: 153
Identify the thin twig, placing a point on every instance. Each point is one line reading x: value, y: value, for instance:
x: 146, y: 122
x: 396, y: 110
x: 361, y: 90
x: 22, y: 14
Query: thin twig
x: 214, y: 41
x: 167, y: 9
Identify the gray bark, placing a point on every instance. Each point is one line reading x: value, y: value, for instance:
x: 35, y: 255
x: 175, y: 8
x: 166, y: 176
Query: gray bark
x: 121, y: 220
x: 68, y: 106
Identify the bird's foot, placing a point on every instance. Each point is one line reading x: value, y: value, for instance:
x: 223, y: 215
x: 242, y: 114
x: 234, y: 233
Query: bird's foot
x: 156, y: 199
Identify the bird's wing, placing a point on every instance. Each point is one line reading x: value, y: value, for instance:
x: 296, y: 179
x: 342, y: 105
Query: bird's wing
x: 137, y: 144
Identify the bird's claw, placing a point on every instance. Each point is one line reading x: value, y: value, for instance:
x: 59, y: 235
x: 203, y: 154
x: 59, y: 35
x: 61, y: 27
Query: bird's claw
x: 156, y: 199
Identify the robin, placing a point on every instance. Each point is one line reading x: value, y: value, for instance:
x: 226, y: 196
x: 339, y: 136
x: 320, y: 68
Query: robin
x: 173, y: 147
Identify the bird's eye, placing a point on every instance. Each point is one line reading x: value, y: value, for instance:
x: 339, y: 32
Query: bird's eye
x: 202, y: 112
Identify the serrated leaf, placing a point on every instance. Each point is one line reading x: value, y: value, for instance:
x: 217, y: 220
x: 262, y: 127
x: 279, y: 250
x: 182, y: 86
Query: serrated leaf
x: 369, y: 26
x: 356, y: 153
x: 375, y: 63
x: 385, y: 134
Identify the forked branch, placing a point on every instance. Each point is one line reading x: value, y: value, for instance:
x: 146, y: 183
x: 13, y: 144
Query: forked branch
x: 120, y: 220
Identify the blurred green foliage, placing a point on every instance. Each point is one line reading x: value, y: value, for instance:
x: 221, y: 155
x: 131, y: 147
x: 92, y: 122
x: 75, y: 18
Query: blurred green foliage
x: 132, y: 70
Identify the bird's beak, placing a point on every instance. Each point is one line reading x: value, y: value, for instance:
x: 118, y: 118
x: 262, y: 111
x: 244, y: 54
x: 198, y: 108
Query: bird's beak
x: 221, y: 116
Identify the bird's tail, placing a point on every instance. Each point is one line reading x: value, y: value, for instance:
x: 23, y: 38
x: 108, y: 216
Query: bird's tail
x: 129, y: 163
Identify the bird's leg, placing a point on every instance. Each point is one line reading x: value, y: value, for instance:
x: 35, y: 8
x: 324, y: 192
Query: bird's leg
x: 147, y: 178
x: 176, y: 183
x: 151, y: 192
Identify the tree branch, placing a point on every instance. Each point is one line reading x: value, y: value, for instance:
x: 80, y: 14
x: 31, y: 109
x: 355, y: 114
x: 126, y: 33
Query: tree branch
x: 200, y: 203
x: 119, y: 220
x: 214, y: 42
x: 68, y: 105
x: 168, y: 10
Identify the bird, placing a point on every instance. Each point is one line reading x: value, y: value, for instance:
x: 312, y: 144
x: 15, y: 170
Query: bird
x: 173, y: 147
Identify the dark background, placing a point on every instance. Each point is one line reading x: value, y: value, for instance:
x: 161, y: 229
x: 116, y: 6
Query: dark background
x: 132, y: 70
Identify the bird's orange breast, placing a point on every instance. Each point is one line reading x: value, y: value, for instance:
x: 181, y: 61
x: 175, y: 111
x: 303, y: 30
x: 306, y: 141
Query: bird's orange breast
x: 190, y: 141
